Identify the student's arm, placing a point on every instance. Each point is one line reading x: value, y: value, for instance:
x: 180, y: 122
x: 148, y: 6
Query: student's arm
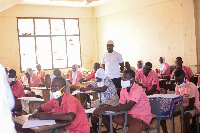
x: 121, y: 66
x: 152, y: 90
x: 64, y: 117
x: 35, y: 113
x: 99, y: 89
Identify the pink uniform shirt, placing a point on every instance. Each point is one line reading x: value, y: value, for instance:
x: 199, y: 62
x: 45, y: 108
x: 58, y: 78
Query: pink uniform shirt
x: 189, y: 90
x: 79, y: 76
x: 138, y: 72
x: 142, y: 108
x: 18, y: 89
x: 166, y: 70
x: 150, y: 80
x: 198, y: 83
x: 188, y: 72
x: 41, y: 74
x: 91, y: 76
x: 35, y: 81
x: 69, y: 104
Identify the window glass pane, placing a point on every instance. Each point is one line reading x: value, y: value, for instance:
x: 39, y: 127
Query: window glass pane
x: 73, y: 50
x: 71, y: 27
x: 43, y: 52
x: 27, y: 52
x: 25, y: 27
x: 42, y: 27
x: 59, y: 52
x: 57, y: 27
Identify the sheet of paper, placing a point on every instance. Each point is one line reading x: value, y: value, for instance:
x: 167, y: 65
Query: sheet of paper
x: 89, y: 111
x: 37, y: 123
x: 163, y: 95
x: 40, y: 88
x: 77, y: 91
x: 31, y: 99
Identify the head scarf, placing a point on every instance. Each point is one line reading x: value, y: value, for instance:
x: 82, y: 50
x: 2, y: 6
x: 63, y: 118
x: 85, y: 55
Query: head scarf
x: 110, y: 42
x: 162, y: 65
x: 142, y: 64
x: 7, y: 103
x: 74, y: 74
x: 100, y: 73
x: 30, y: 72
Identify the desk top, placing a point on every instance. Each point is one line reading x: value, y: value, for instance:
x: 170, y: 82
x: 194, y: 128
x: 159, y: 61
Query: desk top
x: 21, y: 119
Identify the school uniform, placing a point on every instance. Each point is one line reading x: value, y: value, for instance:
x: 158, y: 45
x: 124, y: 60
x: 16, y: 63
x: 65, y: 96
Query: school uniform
x: 35, y: 81
x: 164, y: 71
x: 79, y: 76
x: 18, y: 89
x: 188, y: 72
x: 69, y: 104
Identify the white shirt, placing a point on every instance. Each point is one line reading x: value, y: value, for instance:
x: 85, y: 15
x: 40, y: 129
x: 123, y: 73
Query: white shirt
x: 7, y: 103
x: 112, y: 61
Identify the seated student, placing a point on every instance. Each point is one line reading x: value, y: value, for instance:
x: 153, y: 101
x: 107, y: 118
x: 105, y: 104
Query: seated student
x: 132, y: 99
x: 149, y: 79
x: 191, y: 102
x: 163, y: 69
x: 188, y: 72
x: 33, y: 79
x: 17, y: 89
x: 64, y: 107
x: 47, y: 82
x: 75, y: 75
x: 106, y: 87
x: 92, y: 75
x: 128, y: 66
x: 140, y: 68
x: 7, y: 104
x: 40, y: 72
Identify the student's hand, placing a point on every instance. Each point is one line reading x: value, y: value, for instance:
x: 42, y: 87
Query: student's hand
x: 163, y: 91
x: 156, y: 70
x: 43, y: 116
x: 83, y: 89
x: 33, y: 116
x: 98, y: 111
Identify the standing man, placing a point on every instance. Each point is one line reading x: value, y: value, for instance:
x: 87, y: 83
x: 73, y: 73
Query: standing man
x: 111, y: 61
x: 40, y: 72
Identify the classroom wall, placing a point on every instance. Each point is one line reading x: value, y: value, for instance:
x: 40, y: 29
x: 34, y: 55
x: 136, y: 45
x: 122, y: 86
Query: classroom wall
x: 9, y: 52
x: 148, y: 29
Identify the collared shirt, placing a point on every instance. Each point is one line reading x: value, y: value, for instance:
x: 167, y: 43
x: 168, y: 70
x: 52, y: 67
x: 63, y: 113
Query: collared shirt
x: 90, y: 76
x: 188, y: 72
x: 189, y: 90
x: 79, y: 76
x: 35, y: 81
x: 40, y: 73
x: 149, y: 80
x: 166, y: 70
x: 112, y: 61
x: 69, y: 104
x: 142, y: 108
x: 110, y: 91
x: 138, y: 72
x: 18, y: 89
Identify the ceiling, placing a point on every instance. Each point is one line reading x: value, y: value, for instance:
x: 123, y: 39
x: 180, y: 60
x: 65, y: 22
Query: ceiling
x: 73, y: 3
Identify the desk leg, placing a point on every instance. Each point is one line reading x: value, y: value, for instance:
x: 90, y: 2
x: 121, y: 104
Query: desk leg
x: 182, y: 130
x: 172, y: 124
x: 111, y: 126
x: 100, y: 124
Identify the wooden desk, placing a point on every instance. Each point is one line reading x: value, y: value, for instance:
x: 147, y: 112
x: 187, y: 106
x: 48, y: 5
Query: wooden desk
x: 19, y: 121
x: 41, y: 91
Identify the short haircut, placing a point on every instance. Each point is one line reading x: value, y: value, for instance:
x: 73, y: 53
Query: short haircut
x: 47, y: 76
x: 131, y: 72
x: 97, y: 64
x: 179, y: 73
x: 57, y: 72
x: 148, y: 64
x: 61, y: 80
x: 12, y: 71
x: 179, y: 58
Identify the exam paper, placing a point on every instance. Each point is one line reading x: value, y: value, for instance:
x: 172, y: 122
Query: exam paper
x: 77, y: 91
x: 163, y: 95
x: 89, y: 111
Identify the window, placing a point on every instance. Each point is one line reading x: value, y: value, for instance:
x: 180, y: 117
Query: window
x: 53, y: 43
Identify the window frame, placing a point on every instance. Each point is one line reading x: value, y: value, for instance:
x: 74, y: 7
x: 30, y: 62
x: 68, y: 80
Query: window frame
x: 50, y: 35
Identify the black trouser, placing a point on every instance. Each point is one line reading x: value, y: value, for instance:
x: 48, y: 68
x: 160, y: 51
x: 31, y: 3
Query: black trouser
x: 117, y: 83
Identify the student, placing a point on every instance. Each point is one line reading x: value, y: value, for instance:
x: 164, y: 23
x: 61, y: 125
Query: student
x: 128, y: 66
x: 7, y: 103
x: 92, y: 75
x: 64, y: 107
x: 132, y: 99
x: 188, y: 72
x: 47, y: 82
x: 163, y: 69
x: 111, y: 61
x: 40, y: 72
x: 191, y: 102
x: 75, y: 75
x: 149, y: 79
x: 33, y: 79
x: 17, y: 89
x: 108, y: 91
x: 140, y: 65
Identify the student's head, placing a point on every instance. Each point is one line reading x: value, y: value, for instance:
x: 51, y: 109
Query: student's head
x: 140, y: 64
x: 110, y: 46
x: 179, y: 77
x: 100, y: 75
x: 147, y: 68
x: 75, y: 68
x: 96, y: 66
x: 58, y: 87
x: 38, y: 67
x: 29, y: 72
x: 47, y: 81
x: 128, y: 78
x: 179, y: 62
x: 11, y: 73
x: 162, y: 60
x: 57, y: 72
x: 127, y: 65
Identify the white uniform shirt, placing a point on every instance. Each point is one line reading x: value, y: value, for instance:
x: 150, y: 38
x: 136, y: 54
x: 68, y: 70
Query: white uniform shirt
x: 112, y: 61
